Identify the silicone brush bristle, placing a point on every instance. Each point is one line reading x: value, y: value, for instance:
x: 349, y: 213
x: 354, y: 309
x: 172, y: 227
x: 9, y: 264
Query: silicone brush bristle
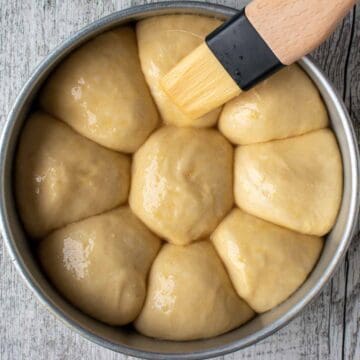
x: 199, y: 83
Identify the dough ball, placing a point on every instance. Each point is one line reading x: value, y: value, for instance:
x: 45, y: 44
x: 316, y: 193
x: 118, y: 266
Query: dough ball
x: 182, y: 182
x: 62, y: 177
x: 100, y: 264
x: 100, y: 91
x: 296, y: 183
x: 163, y: 42
x: 266, y: 262
x: 190, y: 296
x: 285, y: 105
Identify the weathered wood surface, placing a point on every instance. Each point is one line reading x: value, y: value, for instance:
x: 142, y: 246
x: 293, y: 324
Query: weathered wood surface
x: 328, y: 329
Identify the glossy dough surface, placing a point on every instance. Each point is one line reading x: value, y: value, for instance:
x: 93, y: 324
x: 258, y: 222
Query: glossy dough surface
x: 163, y: 42
x: 266, y: 262
x: 100, y: 91
x: 61, y: 177
x: 100, y: 264
x: 182, y: 182
x: 285, y: 105
x: 296, y: 183
x: 190, y: 295
x: 221, y: 264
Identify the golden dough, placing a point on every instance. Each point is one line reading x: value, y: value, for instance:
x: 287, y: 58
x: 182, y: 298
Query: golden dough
x: 287, y: 104
x: 100, y: 91
x: 182, y: 182
x: 296, y: 183
x: 266, y: 262
x: 100, y: 264
x: 62, y: 177
x: 190, y: 295
x: 163, y: 42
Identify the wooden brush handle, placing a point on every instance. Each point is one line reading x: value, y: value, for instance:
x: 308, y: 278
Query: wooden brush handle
x: 293, y: 28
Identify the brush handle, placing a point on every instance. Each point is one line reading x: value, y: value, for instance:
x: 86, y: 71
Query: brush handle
x: 269, y: 34
x: 293, y: 28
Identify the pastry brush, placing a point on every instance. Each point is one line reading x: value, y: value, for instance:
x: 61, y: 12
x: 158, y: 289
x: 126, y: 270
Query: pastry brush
x: 249, y: 47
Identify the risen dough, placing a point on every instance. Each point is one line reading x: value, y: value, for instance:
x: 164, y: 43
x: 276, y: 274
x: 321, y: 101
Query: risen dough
x: 163, y: 42
x: 266, y: 262
x: 287, y: 104
x: 100, y: 264
x: 296, y: 183
x: 190, y: 295
x: 62, y: 177
x: 100, y: 91
x: 182, y: 182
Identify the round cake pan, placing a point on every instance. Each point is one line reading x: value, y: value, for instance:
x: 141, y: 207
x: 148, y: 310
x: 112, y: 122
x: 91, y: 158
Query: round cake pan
x: 126, y: 340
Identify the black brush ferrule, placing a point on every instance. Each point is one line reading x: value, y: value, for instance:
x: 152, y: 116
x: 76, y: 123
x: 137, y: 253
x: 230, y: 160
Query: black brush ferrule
x: 242, y: 51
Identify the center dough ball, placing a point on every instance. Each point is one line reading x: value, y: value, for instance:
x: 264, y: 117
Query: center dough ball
x: 182, y: 182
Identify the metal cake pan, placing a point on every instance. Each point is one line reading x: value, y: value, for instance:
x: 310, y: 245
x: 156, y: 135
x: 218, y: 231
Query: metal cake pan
x: 125, y: 340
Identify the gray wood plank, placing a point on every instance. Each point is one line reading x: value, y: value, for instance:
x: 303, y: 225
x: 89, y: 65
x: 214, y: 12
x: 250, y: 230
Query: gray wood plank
x: 28, y: 31
x: 351, y: 346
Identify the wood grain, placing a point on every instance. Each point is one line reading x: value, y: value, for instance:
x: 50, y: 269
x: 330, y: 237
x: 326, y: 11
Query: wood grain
x: 282, y: 24
x: 329, y: 328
